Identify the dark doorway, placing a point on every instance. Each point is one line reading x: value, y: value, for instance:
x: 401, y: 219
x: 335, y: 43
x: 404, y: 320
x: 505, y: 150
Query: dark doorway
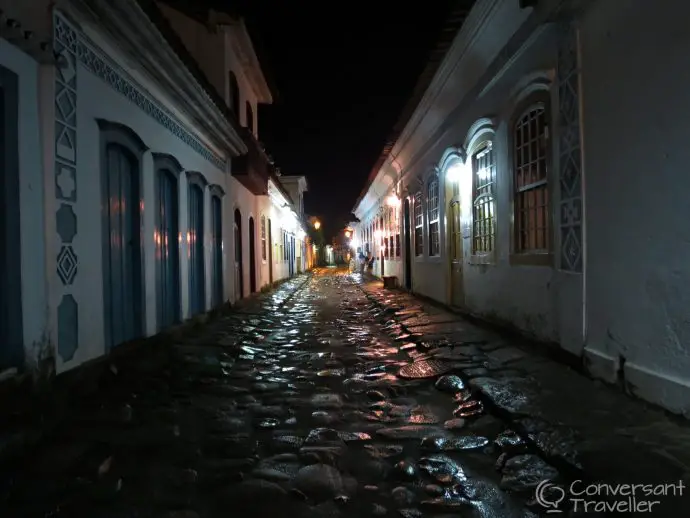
x: 123, y: 261
x: 270, y: 253
x: 252, y: 257
x: 167, y: 252
x: 408, y: 245
x: 217, y: 250
x: 197, y: 277
x: 11, y: 331
x: 239, y: 276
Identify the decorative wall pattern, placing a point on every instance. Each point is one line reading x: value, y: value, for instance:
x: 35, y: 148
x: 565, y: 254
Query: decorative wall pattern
x: 65, y: 46
x: 569, y: 154
x: 91, y: 57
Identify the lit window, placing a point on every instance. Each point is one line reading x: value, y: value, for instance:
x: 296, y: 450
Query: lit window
x: 263, y: 237
x: 531, y: 153
x: 432, y: 214
x: 418, y: 225
x: 483, y: 202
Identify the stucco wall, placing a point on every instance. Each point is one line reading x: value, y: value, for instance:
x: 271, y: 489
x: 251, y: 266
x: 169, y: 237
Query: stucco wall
x: 97, y: 98
x: 35, y: 314
x: 636, y: 122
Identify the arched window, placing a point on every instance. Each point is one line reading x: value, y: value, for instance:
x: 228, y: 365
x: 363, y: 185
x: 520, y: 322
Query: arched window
x: 531, y: 162
x: 483, y: 198
x: 432, y: 204
x: 263, y: 237
x: 418, y: 225
x: 249, y: 114
x: 233, y: 93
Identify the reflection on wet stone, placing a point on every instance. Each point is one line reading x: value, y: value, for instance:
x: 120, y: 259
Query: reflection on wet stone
x: 322, y: 404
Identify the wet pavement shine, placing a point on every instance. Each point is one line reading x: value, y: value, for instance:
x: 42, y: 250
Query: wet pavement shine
x: 313, y: 401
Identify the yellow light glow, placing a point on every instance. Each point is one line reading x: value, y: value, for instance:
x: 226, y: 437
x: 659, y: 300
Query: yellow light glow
x: 347, y: 233
x: 317, y: 224
x: 393, y: 201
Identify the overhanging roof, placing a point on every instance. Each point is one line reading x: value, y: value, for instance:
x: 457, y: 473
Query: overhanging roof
x: 452, y: 24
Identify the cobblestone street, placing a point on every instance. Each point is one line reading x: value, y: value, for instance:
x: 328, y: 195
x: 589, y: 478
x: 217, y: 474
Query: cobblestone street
x: 327, y: 398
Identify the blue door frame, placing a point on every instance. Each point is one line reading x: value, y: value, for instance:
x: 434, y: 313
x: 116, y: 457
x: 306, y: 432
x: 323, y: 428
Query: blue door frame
x: 123, y: 222
x: 217, y: 251
x: 197, y: 288
x: 11, y: 324
x: 167, y: 248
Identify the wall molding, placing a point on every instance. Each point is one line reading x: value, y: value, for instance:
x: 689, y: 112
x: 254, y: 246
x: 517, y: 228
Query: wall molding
x: 92, y: 57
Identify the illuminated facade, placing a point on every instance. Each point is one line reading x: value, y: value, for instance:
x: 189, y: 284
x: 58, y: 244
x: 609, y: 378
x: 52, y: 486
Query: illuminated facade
x: 135, y: 185
x: 495, y: 216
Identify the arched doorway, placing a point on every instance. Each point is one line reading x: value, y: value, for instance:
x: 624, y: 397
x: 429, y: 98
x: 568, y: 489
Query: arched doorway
x: 456, y: 255
x: 123, y: 259
x: 408, y: 244
x: 239, y: 276
x: 168, y: 258
x: 197, y: 277
x: 217, y: 250
x: 252, y: 256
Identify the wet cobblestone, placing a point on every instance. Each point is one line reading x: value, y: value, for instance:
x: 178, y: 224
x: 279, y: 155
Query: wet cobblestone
x: 319, y: 400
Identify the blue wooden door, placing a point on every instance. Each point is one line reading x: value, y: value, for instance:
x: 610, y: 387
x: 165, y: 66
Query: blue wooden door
x: 217, y: 250
x: 11, y: 330
x: 197, y: 291
x: 167, y: 250
x: 123, y: 302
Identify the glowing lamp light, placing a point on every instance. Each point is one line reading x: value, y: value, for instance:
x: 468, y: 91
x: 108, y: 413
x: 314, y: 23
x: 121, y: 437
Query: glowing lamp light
x: 393, y: 201
x: 347, y: 233
x: 454, y: 172
x: 317, y: 225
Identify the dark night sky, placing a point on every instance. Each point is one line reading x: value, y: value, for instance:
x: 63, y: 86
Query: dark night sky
x: 343, y: 72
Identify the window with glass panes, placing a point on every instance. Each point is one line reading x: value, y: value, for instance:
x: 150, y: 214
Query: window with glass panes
x: 483, y: 203
x: 433, y: 217
x: 418, y: 225
x: 263, y: 237
x: 531, y: 196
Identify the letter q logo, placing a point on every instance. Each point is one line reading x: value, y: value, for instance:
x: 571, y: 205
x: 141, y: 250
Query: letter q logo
x: 549, y: 495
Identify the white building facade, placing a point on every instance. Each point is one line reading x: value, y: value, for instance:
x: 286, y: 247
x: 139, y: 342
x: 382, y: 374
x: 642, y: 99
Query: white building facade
x: 507, y: 195
x: 120, y: 189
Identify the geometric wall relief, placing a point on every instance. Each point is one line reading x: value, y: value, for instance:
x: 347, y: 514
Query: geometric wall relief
x: 115, y: 77
x: 66, y: 264
x: 68, y: 328
x: 66, y: 182
x: 66, y: 223
x: 569, y: 151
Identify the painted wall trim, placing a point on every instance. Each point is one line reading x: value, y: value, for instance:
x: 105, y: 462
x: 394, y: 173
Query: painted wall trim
x: 95, y: 61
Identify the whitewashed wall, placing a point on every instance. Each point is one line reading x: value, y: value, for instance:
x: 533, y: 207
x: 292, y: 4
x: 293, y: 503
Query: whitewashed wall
x: 97, y: 98
x: 636, y: 122
x: 38, y: 335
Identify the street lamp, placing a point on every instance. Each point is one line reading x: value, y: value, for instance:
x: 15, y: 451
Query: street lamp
x: 347, y: 234
x: 317, y: 225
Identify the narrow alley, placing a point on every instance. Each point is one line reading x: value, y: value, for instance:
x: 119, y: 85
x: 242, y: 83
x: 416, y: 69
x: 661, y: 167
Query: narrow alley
x: 317, y: 400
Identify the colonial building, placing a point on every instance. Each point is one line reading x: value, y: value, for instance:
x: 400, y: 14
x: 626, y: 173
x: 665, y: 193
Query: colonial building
x: 135, y: 191
x: 535, y: 182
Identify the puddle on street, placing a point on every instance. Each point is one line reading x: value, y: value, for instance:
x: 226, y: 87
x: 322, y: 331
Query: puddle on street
x: 306, y: 405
